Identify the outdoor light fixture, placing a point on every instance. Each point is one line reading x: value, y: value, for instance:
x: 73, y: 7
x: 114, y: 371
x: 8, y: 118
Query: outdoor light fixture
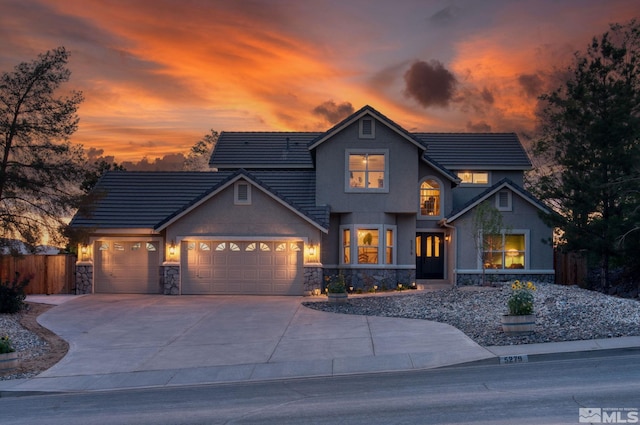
x: 447, y: 238
x: 312, y: 250
x: 172, y: 249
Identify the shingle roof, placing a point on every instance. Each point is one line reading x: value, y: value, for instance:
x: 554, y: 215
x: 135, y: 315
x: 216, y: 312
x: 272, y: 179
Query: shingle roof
x: 262, y: 150
x: 476, y: 151
x: 132, y: 199
x: 148, y: 199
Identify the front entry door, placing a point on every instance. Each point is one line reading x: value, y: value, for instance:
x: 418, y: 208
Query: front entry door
x: 429, y: 255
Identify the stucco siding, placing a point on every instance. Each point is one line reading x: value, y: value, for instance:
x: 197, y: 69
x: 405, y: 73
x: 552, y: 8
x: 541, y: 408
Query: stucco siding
x: 264, y: 217
x: 402, y: 158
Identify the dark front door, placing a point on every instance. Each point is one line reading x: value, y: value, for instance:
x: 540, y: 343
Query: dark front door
x: 429, y: 255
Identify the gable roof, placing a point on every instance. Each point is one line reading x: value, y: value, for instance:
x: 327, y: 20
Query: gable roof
x: 262, y: 150
x: 504, y: 183
x: 148, y: 200
x: 293, y: 189
x: 365, y: 110
x: 476, y: 151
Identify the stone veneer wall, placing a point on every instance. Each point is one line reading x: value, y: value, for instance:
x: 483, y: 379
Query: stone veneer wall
x: 475, y: 279
x: 313, y: 279
x: 366, y: 279
x: 84, y: 279
x: 171, y: 280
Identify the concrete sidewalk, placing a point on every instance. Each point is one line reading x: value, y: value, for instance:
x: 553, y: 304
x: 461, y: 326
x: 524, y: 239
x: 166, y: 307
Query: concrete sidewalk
x: 129, y: 341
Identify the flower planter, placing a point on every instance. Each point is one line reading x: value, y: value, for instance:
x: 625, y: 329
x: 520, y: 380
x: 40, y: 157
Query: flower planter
x: 337, y: 297
x: 8, y: 361
x: 519, y: 325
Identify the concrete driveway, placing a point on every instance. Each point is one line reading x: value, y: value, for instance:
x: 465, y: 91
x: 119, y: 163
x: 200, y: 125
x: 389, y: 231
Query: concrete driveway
x: 123, y: 341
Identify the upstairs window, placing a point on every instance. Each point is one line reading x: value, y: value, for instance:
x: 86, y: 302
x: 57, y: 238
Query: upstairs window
x: 479, y: 178
x: 430, y: 198
x: 367, y: 171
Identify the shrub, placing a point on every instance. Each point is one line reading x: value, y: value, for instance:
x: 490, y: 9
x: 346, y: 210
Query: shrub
x: 12, y: 294
x: 335, y: 284
x: 5, y: 345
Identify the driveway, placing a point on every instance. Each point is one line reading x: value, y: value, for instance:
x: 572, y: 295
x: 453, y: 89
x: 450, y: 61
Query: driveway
x: 119, y: 341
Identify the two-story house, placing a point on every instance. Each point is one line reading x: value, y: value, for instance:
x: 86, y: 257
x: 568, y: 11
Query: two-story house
x: 282, y: 210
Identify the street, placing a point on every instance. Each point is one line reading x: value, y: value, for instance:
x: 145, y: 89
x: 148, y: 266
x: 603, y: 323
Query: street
x: 539, y: 392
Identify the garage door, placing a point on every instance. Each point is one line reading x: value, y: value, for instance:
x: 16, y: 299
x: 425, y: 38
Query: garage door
x: 127, y: 267
x: 239, y: 267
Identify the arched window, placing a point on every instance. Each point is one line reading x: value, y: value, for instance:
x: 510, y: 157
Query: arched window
x: 430, y: 199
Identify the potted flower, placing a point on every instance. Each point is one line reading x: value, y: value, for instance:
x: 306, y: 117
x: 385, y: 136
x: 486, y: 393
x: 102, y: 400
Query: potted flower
x: 336, y: 289
x: 8, y: 356
x: 521, y: 318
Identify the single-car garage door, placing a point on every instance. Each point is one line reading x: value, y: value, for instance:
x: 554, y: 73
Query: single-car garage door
x: 127, y: 267
x: 243, y: 267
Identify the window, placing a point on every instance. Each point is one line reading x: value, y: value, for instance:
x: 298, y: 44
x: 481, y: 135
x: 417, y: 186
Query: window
x: 242, y: 193
x: 504, y: 251
x: 367, y: 171
x: 371, y: 245
x: 430, y: 198
x: 368, y: 246
x: 503, y: 200
x: 367, y: 129
x: 480, y: 178
x: 346, y: 246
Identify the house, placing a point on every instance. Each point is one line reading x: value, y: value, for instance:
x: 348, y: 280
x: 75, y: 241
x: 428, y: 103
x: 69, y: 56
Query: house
x: 282, y: 210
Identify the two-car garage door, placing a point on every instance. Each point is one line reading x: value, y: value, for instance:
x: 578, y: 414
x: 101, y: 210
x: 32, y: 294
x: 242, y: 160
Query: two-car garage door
x: 242, y: 267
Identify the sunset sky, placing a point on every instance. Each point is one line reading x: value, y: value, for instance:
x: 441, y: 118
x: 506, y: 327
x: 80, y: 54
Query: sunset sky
x: 157, y: 75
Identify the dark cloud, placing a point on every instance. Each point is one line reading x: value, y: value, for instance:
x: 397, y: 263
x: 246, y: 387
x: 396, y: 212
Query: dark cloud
x: 487, y: 96
x: 532, y: 85
x: 431, y: 84
x: 333, y: 112
x: 445, y: 16
x: 478, y: 127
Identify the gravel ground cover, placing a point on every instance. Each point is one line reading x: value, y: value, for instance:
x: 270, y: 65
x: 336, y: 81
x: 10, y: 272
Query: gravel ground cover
x: 563, y: 313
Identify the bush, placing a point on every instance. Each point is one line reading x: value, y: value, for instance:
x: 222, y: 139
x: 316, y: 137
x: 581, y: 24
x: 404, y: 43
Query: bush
x: 12, y: 294
x: 5, y: 345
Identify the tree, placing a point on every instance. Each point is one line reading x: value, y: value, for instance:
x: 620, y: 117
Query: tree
x: 40, y: 169
x: 198, y: 157
x: 487, y: 227
x: 590, y: 142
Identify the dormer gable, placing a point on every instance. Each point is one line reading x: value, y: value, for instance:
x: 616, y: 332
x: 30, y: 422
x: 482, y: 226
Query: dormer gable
x: 367, y: 119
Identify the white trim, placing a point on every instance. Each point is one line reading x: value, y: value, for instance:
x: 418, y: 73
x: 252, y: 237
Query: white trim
x: 347, y: 171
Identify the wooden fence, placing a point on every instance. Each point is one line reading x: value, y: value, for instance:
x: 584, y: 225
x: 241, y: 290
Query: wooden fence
x: 570, y: 267
x: 52, y: 274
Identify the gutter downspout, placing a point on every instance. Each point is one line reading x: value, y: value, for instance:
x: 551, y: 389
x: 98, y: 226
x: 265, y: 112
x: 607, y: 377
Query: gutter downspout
x: 454, y: 248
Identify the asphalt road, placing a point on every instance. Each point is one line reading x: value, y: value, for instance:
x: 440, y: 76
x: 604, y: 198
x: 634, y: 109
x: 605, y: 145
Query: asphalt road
x: 538, y: 392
